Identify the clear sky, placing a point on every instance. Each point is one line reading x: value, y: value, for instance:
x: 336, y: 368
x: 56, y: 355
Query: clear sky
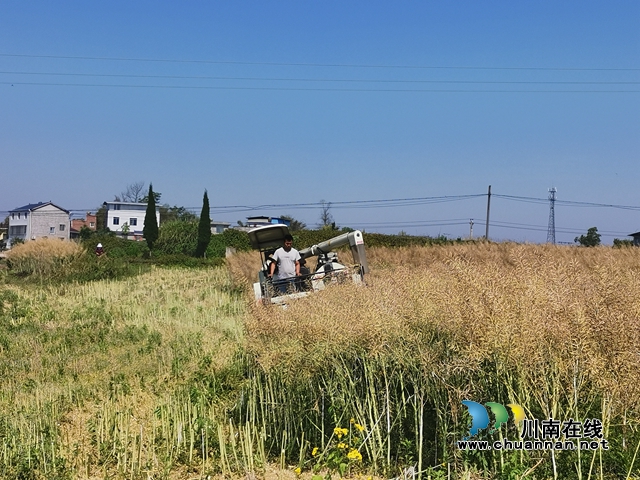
x: 273, y: 103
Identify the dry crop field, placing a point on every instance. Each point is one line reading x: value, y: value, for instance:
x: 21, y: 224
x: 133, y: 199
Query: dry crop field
x: 553, y: 329
x: 176, y: 373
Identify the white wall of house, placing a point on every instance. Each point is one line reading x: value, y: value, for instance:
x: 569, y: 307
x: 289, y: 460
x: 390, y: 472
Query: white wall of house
x: 219, y: 227
x: 18, y: 227
x: 131, y: 214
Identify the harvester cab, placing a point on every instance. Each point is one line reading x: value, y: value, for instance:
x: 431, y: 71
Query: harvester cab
x: 328, y: 269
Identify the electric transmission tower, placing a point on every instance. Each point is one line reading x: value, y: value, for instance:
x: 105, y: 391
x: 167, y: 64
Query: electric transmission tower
x: 551, y: 232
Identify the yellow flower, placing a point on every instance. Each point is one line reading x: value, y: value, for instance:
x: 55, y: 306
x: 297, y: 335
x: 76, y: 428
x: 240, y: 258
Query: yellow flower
x: 342, y: 445
x: 298, y: 471
x: 354, y: 455
x: 352, y: 421
x: 340, y: 432
x: 314, y: 451
x: 359, y: 427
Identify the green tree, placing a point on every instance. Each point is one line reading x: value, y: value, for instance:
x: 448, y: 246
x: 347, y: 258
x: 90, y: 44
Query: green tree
x: 175, y: 213
x: 150, y: 230
x: 86, y: 233
x: 294, y: 225
x: 177, y: 238
x: 619, y: 243
x: 156, y: 197
x: 591, y: 239
x: 101, y: 219
x: 204, y: 228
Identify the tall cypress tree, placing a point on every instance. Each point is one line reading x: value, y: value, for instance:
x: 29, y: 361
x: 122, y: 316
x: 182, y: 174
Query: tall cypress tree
x: 150, y: 230
x: 204, y: 228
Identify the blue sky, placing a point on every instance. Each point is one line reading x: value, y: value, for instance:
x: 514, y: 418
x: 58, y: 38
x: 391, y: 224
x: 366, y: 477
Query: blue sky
x: 273, y: 103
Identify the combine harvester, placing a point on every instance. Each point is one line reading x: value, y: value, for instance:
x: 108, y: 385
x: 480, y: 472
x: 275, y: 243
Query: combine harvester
x: 268, y: 238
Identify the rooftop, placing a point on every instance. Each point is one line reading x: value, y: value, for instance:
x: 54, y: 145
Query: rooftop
x: 34, y: 206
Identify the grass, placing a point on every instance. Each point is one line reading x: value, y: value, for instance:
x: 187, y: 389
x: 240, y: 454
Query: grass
x: 93, y: 373
x: 176, y: 373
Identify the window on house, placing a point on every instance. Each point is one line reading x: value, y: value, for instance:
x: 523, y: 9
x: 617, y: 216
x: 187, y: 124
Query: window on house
x: 17, y: 230
x: 116, y: 220
x: 62, y: 227
x: 92, y: 224
x: 52, y: 230
x: 133, y: 222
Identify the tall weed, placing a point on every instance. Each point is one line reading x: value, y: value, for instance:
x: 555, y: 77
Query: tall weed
x: 43, y: 256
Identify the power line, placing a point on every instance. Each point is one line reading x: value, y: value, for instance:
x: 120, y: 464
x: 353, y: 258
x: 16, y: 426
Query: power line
x: 542, y: 228
x: 346, y: 80
x: 379, y: 203
x: 298, y: 89
x: 359, y: 203
x: 567, y: 202
x: 302, y: 64
x: 410, y: 201
x: 399, y: 202
x: 410, y: 222
x: 423, y: 223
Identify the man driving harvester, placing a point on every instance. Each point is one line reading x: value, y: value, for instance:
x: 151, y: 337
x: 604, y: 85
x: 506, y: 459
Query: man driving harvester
x: 287, y: 259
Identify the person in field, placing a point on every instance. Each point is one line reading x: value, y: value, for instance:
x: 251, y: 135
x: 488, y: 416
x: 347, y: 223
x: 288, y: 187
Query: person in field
x: 287, y: 261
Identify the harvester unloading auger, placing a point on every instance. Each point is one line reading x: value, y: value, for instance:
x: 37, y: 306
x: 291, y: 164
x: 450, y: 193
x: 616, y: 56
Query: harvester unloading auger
x: 328, y: 270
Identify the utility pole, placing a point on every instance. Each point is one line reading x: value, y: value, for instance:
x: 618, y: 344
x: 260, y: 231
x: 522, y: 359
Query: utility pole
x: 551, y: 232
x: 486, y: 234
x: 471, y: 229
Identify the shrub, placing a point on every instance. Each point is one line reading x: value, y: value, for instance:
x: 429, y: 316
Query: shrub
x: 116, y: 247
x: 236, y: 239
x: 307, y: 238
x: 177, y: 238
x: 181, y: 238
x: 88, y: 268
x: 619, y: 243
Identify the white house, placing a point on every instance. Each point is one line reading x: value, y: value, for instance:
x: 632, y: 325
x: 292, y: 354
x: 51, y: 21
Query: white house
x: 219, y: 227
x: 38, y: 220
x: 261, y: 221
x: 127, y: 218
